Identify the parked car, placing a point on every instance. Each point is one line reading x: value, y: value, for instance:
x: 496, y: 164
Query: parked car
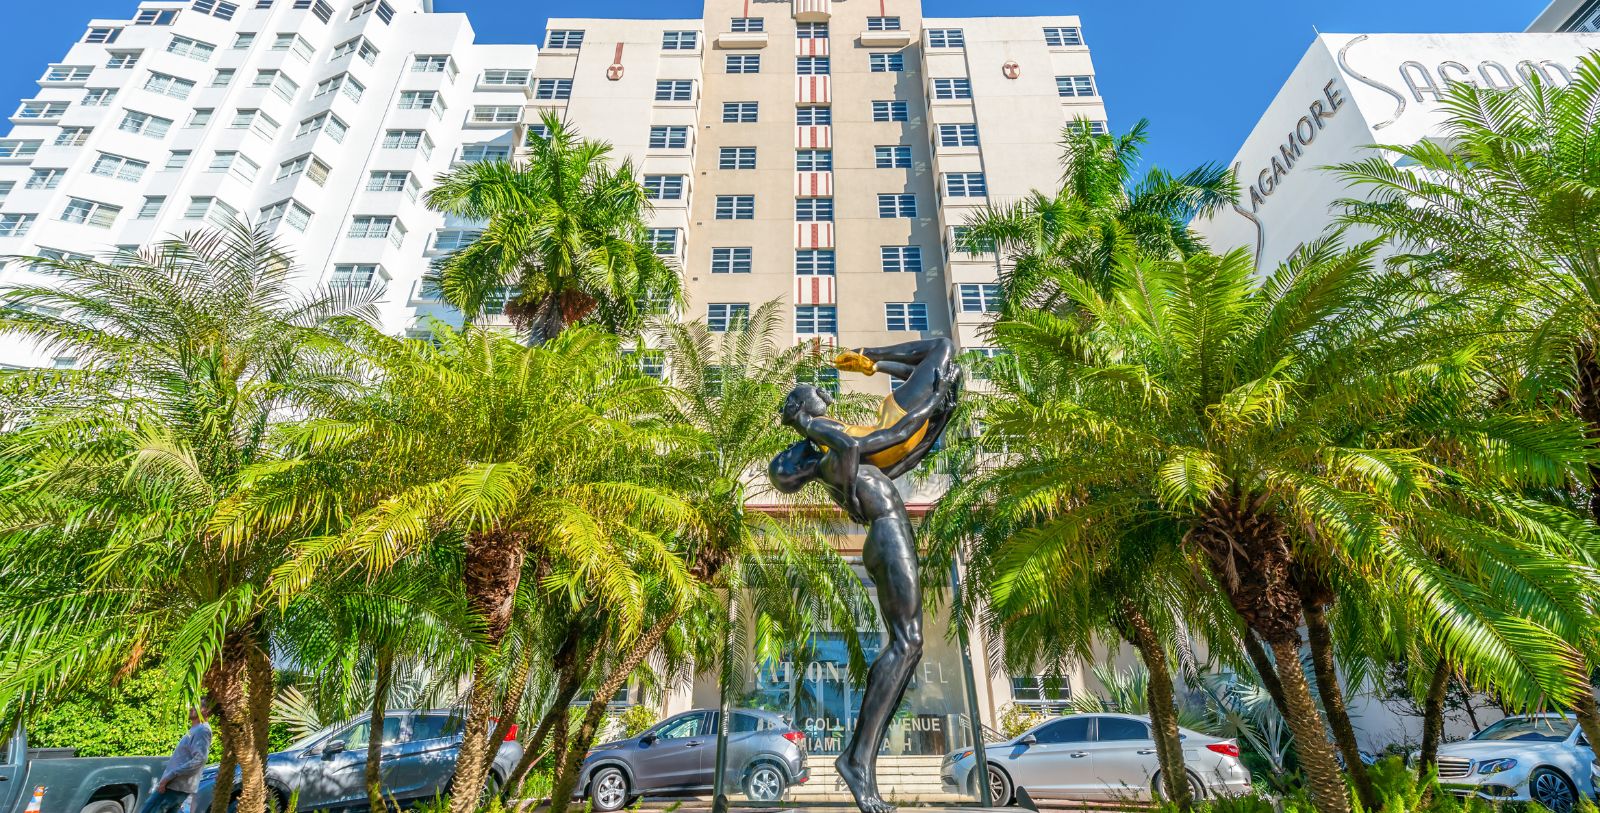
x: 1095, y: 756
x: 69, y: 784
x: 766, y: 756
x: 1542, y: 758
x: 328, y: 769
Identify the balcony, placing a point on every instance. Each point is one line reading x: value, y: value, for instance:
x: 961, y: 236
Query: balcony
x: 738, y: 40
x: 813, y: 184
x: 884, y: 39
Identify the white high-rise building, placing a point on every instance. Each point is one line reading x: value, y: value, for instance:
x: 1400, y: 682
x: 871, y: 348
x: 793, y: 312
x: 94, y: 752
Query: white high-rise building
x: 324, y: 120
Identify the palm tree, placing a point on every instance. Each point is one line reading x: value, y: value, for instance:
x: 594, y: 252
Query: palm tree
x: 1506, y: 212
x: 116, y: 471
x: 1098, y: 211
x: 506, y: 453
x: 565, y: 231
x: 1275, y: 419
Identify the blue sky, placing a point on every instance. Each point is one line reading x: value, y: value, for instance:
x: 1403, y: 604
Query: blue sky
x: 1201, y: 72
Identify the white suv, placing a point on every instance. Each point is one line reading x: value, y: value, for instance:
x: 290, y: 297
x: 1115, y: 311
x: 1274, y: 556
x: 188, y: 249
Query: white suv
x: 1542, y: 758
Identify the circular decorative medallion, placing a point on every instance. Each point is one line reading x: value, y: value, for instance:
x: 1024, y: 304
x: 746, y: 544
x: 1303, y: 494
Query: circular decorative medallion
x: 1011, y: 70
x: 614, y: 72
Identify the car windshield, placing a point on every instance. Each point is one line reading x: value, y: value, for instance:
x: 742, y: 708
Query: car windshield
x: 1527, y: 729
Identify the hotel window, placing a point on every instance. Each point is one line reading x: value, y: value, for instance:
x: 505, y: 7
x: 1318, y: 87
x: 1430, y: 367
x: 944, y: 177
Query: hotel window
x: 151, y: 207
x: 664, y: 241
x: 376, y: 227
x: 320, y: 8
x: 554, y: 89
x: 897, y: 205
x: 1063, y: 37
x: 123, y: 59
x: 259, y: 123
x: 890, y: 111
x: 811, y: 31
x: 221, y: 9
x: 168, y: 85
x: 496, y: 114
x: 434, y: 63
x: 242, y: 42
x: 663, y: 187
x: 813, y: 116
x: 679, y: 40
x: 1041, y: 690
x: 965, y: 185
x: 177, y: 159
x: 19, y: 147
x: 1074, y: 86
x: 905, y: 315
x: 475, y: 153
x: 44, y: 178
x: 747, y: 25
x: 739, y: 112
x: 90, y: 212
x: 898, y: 259
x: 813, y: 210
x: 144, y: 124
x: 563, y: 39
x: 289, y: 40
x: 813, y: 160
x: 309, y: 164
x: 355, y: 276
x: 234, y: 164
x: 152, y: 16
x: 119, y: 167
x: 736, y: 207
x: 16, y: 225
x: 735, y: 260
x: 722, y: 317
x: 73, y: 136
x: 825, y: 378
x: 191, y: 48
x: 537, y: 132
x: 384, y: 10
x: 407, y: 140
x: 505, y: 77
x: 102, y: 36
x: 946, y: 38
x: 958, y: 135
x: 811, y: 65
x: 816, y: 319
x: 961, y: 240
x: 675, y: 90
x: 285, y: 211
x: 326, y: 122
x: 670, y: 137
x: 98, y: 97
x: 67, y: 73
x: 200, y: 117
x: 222, y: 78
x: 41, y: 110
x: 652, y: 363
x: 887, y: 63
x: 952, y: 88
x: 883, y: 23
x: 736, y: 158
x: 281, y: 85
x: 417, y: 100
x: 978, y: 297
x: 391, y: 181
x: 453, y: 239
x: 814, y: 262
x: 743, y: 63
x: 1094, y: 126
x: 893, y: 156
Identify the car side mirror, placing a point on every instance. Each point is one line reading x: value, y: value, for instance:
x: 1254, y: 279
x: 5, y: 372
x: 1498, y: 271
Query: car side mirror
x: 1029, y: 739
x: 648, y: 739
x: 333, y: 747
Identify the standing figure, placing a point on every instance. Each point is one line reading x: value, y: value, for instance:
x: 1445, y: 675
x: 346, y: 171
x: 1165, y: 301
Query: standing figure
x: 856, y: 465
x: 182, y: 776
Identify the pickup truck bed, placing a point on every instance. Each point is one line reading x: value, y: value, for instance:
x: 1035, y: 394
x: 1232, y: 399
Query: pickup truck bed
x: 73, y: 784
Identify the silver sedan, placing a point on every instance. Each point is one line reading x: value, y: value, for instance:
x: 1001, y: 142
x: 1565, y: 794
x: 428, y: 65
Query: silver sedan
x: 1096, y: 756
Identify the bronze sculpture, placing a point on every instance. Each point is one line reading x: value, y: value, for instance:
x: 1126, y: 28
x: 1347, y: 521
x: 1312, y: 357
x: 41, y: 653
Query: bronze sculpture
x: 857, y: 466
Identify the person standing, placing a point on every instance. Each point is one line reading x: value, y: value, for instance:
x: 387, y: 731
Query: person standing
x: 182, y: 777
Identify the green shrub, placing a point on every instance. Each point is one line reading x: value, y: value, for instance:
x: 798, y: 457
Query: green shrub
x: 635, y: 719
x: 139, y: 716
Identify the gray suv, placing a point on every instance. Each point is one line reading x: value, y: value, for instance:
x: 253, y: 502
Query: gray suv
x: 328, y: 769
x: 766, y: 756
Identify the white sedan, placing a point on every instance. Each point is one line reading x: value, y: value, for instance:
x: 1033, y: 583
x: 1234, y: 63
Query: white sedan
x: 1542, y: 758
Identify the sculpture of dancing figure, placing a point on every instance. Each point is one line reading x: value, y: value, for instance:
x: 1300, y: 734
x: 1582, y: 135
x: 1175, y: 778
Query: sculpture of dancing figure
x: 857, y: 465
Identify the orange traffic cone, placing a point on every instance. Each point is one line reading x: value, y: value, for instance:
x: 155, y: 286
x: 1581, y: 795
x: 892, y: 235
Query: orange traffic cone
x: 36, y: 801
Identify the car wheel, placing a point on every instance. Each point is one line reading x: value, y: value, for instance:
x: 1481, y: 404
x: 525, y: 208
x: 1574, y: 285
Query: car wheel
x: 1000, y: 790
x: 765, y: 783
x: 1552, y: 790
x: 608, y: 790
x: 1158, y: 789
x: 103, y: 806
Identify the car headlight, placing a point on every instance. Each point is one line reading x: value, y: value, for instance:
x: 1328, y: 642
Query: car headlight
x: 1489, y: 766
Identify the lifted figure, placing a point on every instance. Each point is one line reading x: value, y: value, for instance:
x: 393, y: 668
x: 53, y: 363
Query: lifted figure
x: 856, y: 465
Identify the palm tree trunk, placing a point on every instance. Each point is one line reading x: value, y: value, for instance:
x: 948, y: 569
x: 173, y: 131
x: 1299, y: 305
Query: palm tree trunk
x: 491, y: 571
x: 1433, y: 720
x: 1588, y: 407
x: 222, y: 789
x: 1265, y: 671
x: 1320, y: 638
x: 262, y: 689
x: 383, y: 677
x: 225, y: 681
x: 567, y: 769
x: 1310, y: 738
x: 571, y: 672
x: 1163, y: 715
x: 512, y: 703
x: 472, y: 770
